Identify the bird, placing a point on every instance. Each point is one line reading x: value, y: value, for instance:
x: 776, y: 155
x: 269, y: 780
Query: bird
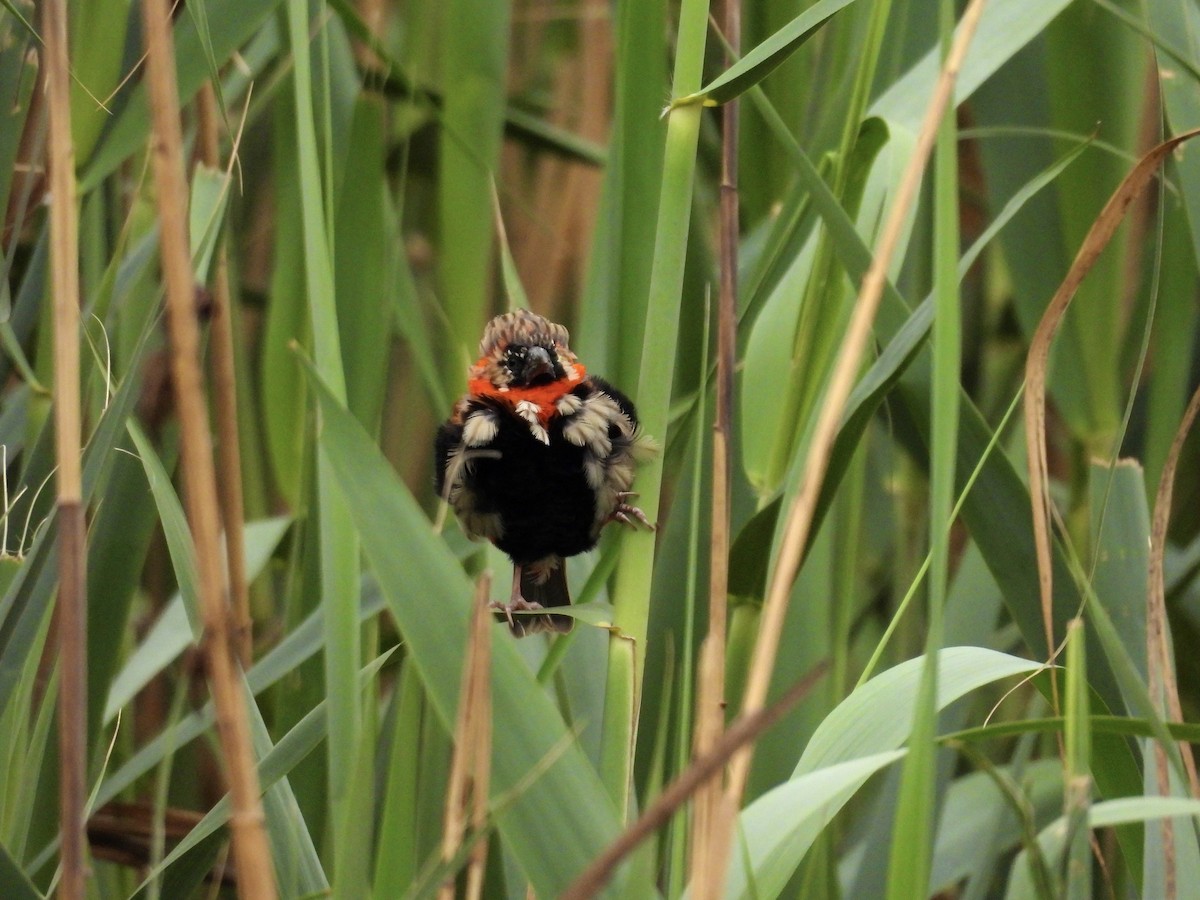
x: 537, y: 457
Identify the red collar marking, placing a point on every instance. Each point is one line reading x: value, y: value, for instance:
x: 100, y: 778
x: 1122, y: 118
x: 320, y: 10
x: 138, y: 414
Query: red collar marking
x: 544, y: 396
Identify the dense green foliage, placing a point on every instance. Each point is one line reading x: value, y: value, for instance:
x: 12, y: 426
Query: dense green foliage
x: 378, y: 148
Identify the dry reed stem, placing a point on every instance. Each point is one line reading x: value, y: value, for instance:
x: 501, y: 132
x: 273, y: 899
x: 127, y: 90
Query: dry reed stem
x: 710, y: 723
x: 224, y: 382
x: 1162, y: 672
x: 1164, y: 691
x: 800, y: 514
x: 710, y: 703
x: 740, y: 733
x: 71, y: 607
x: 1093, y: 244
x: 256, y: 874
x: 470, y: 765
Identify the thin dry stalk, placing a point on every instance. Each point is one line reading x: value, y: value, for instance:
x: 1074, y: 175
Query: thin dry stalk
x: 1162, y: 672
x: 470, y: 766
x: 710, y: 722
x: 1093, y: 245
x: 71, y: 609
x: 1164, y: 691
x: 710, y: 704
x: 224, y: 383
x: 740, y: 733
x: 256, y: 874
x: 800, y: 514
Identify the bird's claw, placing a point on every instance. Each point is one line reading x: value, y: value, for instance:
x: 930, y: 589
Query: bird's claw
x: 630, y: 515
x: 517, y: 603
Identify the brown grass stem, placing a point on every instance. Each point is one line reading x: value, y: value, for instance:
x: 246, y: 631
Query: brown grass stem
x: 710, y: 704
x: 1163, y: 685
x: 740, y: 733
x: 470, y: 765
x: 71, y: 608
x: 224, y: 383
x: 256, y: 874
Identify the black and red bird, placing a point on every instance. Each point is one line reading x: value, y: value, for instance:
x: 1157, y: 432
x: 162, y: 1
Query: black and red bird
x: 537, y: 458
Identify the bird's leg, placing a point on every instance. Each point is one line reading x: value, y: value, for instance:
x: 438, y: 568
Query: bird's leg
x: 628, y: 514
x: 515, y: 601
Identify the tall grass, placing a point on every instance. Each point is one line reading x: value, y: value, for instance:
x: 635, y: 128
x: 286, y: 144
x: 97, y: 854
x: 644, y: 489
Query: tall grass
x: 948, y: 659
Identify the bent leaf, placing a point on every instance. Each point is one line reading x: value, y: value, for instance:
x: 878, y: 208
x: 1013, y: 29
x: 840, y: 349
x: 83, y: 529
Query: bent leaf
x: 765, y: 58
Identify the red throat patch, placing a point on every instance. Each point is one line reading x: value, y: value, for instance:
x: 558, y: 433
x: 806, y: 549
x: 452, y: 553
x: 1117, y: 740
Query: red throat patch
x: 544, y: 396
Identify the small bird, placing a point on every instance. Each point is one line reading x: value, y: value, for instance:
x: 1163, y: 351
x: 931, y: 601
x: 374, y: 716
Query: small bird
x: 537, y: 458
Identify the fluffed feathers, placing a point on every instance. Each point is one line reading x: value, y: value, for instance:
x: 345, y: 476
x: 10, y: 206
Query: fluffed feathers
x: 538, y: 457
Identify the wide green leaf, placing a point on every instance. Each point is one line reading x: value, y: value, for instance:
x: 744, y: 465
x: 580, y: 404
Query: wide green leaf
x: 779, y: 827
x: 1004, y: 29
x: 858, y: 738
x: 878, y: 716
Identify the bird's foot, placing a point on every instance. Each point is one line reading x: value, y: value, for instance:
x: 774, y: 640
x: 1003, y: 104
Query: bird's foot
x: 517, y: 603
x: 627, y: 514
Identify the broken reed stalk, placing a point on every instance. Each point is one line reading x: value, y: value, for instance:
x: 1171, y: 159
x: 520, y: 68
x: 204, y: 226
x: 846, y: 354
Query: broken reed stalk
x: 1163, y: 686
x: 710, y: 703
x: 1164, y: 690
x: 1038, y: 358
x: 256, y: 874
x: 740, y: 733
x: 71, y: 608
x: 224, y: 383
x: 800, y: 514
x: 470, y: 765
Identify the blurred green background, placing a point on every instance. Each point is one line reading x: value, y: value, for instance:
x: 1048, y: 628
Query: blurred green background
x: 370, y: 146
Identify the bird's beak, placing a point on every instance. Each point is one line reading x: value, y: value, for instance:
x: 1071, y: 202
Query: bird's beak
x: 537, y: 364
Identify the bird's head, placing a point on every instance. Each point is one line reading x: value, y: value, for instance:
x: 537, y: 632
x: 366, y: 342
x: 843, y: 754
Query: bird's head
x: 522, y: 350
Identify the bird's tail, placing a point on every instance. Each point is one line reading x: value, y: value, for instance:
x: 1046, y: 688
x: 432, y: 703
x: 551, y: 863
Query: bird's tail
x: 544, y: 583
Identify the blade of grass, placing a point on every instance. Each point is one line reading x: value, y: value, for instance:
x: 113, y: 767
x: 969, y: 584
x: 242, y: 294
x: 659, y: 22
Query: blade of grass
x: 338, y: 543
x: 765, y: 58
x: 398, y: 867
x: 613, y: 314
x: 631, y: 606
x: 914, y: 822
x: 96, y: 64
x: 474, y: 55
x: 1077, y: 778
